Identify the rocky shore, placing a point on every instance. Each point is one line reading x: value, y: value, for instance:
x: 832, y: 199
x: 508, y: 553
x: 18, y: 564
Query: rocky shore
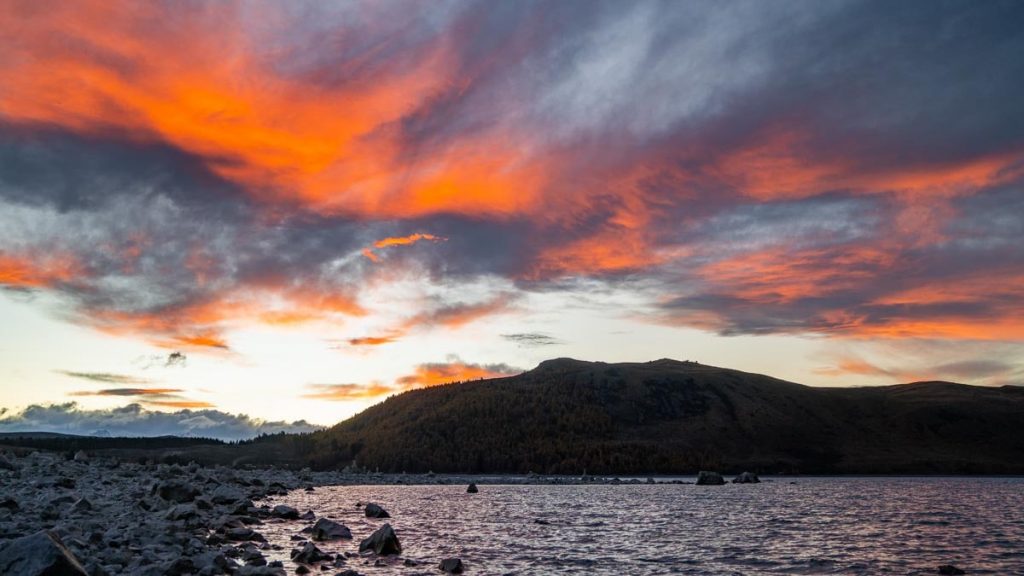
x: 81, y: 514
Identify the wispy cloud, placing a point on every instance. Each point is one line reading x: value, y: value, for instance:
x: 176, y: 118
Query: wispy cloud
x: 106, y: 377
x: 532, y: 339
x: 425, y: 375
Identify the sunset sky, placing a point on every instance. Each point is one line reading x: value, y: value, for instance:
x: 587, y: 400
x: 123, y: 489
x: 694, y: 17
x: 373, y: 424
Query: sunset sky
x: 291, y: 210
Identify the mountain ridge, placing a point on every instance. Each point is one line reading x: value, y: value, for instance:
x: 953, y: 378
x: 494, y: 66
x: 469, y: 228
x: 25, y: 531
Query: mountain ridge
x: 669, y: 416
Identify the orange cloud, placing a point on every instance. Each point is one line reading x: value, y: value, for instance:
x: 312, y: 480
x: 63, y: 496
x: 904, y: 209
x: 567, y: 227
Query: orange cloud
x: 329, y: 146
x: 781, y: 164
x: 201, y: 325
x: 458, y: 315
x: 186, y: 404
x: 435, y: 374
x: 399, y: 241
x: 345, y: 392
x: 18, y: 271
x: 373, y: 340
x: 782, y: 275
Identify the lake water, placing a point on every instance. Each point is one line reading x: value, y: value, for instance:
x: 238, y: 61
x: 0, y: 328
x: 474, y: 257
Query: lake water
x: 785, y: 526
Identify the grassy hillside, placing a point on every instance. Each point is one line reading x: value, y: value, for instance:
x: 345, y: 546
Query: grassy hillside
x: 567, y: 416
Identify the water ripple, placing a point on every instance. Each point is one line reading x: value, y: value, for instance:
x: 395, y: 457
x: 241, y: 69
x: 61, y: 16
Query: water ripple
x: 819, y: 526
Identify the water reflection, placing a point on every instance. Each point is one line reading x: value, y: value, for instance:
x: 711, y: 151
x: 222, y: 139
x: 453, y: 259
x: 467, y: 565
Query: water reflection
x: 816, y: 526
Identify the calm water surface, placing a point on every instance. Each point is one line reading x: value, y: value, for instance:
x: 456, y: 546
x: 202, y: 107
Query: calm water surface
x: 812, y: 526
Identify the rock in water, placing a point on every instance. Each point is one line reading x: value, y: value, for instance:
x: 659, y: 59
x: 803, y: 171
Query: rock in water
x: 472, y: 489
x: 705, y: 478
x: 325, y: 529
x: 746, y: 478
x: 451, y: 566
x: 309, y: 554
x: 382, y: 542
x: 950, y: 570
x: 286, y: 512
x: 81, y: 456
x: 374, y: 511
x: 41, y: 554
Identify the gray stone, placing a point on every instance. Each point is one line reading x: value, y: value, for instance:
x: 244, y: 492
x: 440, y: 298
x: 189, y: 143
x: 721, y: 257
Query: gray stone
x: 41, y: 554
x: 308, y: 553
x: 176, y: 491
x: 705, y: 478
x: 451, y: 566
x: 325, y: 529
x: 382, y: 542
x: 374, y: 511
x: 746, y: 478
x: 286, y: 512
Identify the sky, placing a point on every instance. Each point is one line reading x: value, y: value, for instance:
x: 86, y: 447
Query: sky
x: 236, y: 217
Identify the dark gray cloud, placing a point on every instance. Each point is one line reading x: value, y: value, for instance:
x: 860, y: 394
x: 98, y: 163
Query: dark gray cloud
x: 135, y: 420
x: 106, y: 377
x: 532, y: 339
x: 843, y: 95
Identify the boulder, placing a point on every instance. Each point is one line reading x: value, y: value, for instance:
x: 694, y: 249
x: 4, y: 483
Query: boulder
x: 267, y: 570
x: 325, y: 529
x: 705, y: 478
x: 6, y: 463
x: 451, y: 566
x: 286, y: 512
x: 225, y: 494
x: 374, y: 511
x: 746, y: 478
x: 81, y: 505
x: 472, y: 489
x: 176, y: 491
x: 41, y: 554
x: 182, y: 512
x: 243, y: 534
x: 81, y: 456
x: 382, y: 542
x: 950, y: 570
x: 308, y: 553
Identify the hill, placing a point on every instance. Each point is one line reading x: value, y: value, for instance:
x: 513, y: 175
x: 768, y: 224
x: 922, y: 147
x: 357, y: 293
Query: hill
x: 567, y: 416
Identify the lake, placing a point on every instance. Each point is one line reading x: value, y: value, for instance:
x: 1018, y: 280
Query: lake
x: 782, y: 526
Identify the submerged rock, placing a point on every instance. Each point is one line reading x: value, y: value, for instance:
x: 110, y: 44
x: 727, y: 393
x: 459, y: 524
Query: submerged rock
x: 472, y: 489
x: 325, y: 529
x: 308, y: 553
x: 746, y: 478
x: 706, y: 478
x: 382, y: 542
x: 374, y: 511
x: 950, y: 570
x: 41, y: 554
x: 286, y: 512
x: 451, y: 566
